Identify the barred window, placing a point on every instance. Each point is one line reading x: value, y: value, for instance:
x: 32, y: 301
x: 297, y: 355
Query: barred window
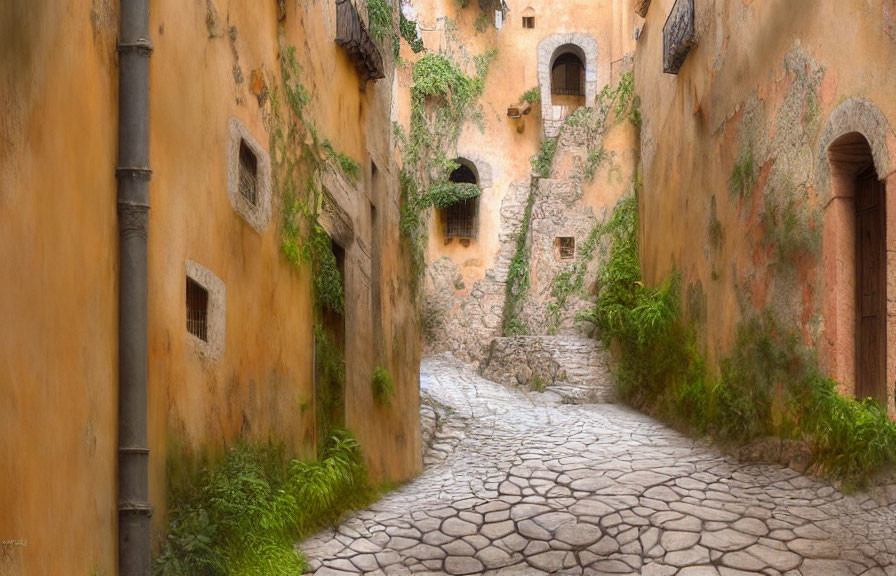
x: 197, y: 310
x: 460, y: 217
x: 528, y: 21
x: 248, y: 173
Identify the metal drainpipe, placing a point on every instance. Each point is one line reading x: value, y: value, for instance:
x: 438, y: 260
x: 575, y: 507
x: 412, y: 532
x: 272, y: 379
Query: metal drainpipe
x: 133, y: 174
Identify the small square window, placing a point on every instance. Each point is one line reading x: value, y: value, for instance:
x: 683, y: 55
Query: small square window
x: 248, y: 174
x: 567, y: 247
x: 197, y: 310
x: 528, y: 21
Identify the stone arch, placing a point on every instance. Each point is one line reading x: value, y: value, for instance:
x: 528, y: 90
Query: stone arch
x: 480, y: 167
x: 585, y: 47
x: 861, y: 116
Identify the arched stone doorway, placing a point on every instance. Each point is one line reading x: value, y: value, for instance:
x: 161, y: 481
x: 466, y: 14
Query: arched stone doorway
x: 859, y: 252
x: 567, y: 76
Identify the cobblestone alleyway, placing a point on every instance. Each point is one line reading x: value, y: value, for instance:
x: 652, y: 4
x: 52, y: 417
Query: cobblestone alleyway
x: 520, y: 483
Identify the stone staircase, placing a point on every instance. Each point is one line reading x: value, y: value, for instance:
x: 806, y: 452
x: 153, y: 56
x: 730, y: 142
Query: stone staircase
x: 573, y: 367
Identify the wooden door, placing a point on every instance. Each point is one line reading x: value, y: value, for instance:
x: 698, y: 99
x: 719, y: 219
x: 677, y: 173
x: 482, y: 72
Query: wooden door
x: 871, y: 294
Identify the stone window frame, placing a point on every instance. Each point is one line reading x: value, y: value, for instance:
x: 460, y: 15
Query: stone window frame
x: 257, y: 215
x: 217, y: 311
x: 548, y: 51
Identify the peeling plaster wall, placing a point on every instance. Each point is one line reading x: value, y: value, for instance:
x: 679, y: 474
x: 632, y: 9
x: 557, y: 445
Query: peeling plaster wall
x: 58, y: 241
x: 768, y: 78
x: 466, y: 284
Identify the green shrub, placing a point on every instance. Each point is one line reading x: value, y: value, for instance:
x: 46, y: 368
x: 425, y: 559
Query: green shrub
x: 242, y: 516
x: 532, y: 95
x: 769, y: 384
x: 382, y: 386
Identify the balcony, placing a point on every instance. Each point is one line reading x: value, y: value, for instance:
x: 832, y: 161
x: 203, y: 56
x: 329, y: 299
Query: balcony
x: 679, y: 35
x: 351, y: 34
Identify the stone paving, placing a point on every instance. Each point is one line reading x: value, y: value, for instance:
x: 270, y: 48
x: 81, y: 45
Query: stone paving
x: 519, y: 483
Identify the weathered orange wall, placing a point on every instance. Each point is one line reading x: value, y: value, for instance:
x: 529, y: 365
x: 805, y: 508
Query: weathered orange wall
x: 769, y: 75
x: 58, y: 304
x: 58, y: 255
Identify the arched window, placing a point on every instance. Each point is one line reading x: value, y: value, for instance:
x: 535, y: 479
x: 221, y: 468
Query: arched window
x: 529, y: 18
x: 459, y: 218
x: 568, y: 75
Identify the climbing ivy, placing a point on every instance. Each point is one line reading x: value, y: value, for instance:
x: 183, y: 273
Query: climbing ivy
x: 518, y: 274
x: 408, y: 29
x: 443, y: 99
x: 532, y: 95
x: 443, y: 194
x: 379, y: 14
x: 543, y: 162
x: 571, y: 282
x: 382, y: 386
x: 300, y: 157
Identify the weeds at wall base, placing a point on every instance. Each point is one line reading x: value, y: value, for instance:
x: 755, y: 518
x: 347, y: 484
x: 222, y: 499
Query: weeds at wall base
x: 242, y: 515
x: 769, y: 384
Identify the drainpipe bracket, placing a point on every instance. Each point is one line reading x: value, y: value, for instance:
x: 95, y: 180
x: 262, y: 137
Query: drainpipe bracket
x: 135, y: 508
x: 142, y: 47
x: 136, y: 172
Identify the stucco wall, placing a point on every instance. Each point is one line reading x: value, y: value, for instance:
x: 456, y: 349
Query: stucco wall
x: 58, y: 253
x: 764, y: 81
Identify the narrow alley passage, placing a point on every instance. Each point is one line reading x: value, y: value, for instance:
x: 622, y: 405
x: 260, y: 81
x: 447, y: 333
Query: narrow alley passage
x: 520, y: 483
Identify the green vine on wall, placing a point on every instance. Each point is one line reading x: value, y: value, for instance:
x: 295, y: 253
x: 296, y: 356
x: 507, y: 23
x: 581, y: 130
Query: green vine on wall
x: 518, y: 273
x: 572, y: 281
x: 443, y: 99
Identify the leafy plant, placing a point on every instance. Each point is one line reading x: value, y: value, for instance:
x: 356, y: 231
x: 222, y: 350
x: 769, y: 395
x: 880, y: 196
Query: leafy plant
x: 379, y: 14
x: 348, y: 167
x: 382, y: 386
x: 242, y: 516
x: 532, y: 95
x: 443, y: 194
x: 543, y: 162
x: 408, y: 29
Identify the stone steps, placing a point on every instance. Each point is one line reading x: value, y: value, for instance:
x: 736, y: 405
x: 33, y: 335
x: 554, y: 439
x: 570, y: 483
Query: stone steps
x: 575, y: 367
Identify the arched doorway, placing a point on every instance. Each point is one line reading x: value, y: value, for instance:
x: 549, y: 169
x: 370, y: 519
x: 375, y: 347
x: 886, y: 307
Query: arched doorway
x: 567, y: 76
x: 858, y: 209
x: 460, y: 218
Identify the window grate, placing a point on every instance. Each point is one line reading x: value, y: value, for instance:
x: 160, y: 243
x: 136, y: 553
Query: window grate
x: 248, y: 173
x: 197, y: 310
x: 460, y: 219
x: 528, y: 21
x: 567, y: 246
